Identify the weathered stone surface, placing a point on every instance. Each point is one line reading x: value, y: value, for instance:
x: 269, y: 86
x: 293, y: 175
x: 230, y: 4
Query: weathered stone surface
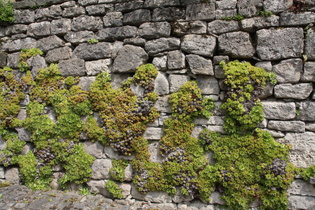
x: 291, y: 126
x: 180, y: 198
x: 57, y: 54
x: 310, y: 126
x: 288, y: 70
x: 276, y: 6
x: 161, y: 3
x: 79, y: 37
x: 226, y: 4
x: 301, y: 187
x: 154, y: 30
x: 99, y: 9
x: 152, y: 133
x: 36, y: 63
x: 222, y: 26
x: 168, y: 14
x: 48, y: 13
x: 154, y: 150
x: 49, y: 43
x: 85, y: 84
x: 95, y: 149
x: 94, y: 68
x: 213, y: 120
x: 302, y: 153
x: 162, y: 104
x: 3, y: 59
x: 137, y: 17
x: 93, y: 51
x: 160, y: 62
x: 39, y: 29
x: 117, y: 79
x: 138, y: 41
x: 72, y: 67
x: 126, y: 189
x: 200, y: 65
x: 109, y: 152
x: 19, y: 44
x: 221, y: 14
x: 100, y: 169
x: 160, y: 45
x: 12, y: 175
x: 13, y: 60
x: 306, y: 111
x: 98, y: 186
x: 279, y: 110
x: 310, y: 44
x: 199, y: 44
x: 252, y: 24
x: 204, y: 11
x: 88, y: 2
x: 295, y: 19
x: 181, y: 28
x: 84, y: 22
x: 161, y: 85
x: 236, y: 44
x: 24, y: 16
x: 175, y: 60
x: 60, y: 26
x: 14, y: 29
x: 113, y: 19
x: 274, y: 44
x: 73, y: 11
x: 128, y: 173
x: 116, y: 33
x: 296, y: 91
x: 125, y: 6
x: 265, y: 65
x: 309, y: 72
x: 208, y: 84
x: 176, y: 81
x: 129, y: 58
x: 249, y: 8
x: 1, y: 173
x: 215, y: 198
x: 301, y: 202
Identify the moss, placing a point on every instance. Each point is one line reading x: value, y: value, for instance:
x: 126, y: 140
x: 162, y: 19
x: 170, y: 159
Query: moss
x: 117, y: 172
x: 6, y: 12
x: 26, y: 54
x: 113, y: 189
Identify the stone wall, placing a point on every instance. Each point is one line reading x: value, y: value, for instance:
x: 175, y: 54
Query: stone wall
x: 185, y: 40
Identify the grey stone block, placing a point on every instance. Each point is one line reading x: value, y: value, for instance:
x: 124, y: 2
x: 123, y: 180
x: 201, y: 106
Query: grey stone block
x: 72, y: 67
x: 154, y: 30
x: 99, y: 9
x: 39, y: 29
x: 252, y: 24
x: 94, y: 68
x: 49, y: 43
x: 295, y: 91
x: 156, y: 46
x: 116, y: 33
x: 3, y: 59
x: 208, y: 84
x: 169, y: 14
x: 274, y: 44
x: 153, y: 133
x: 24, y: 16
x: 95, y: 149
x: 93, y: 51
x: 73, y: 11
x: 85, y: 82
x: 222, y: 26
x: 288, y: 70
x: 162, y: 104
x: 199, y: 65
x: 199, y: 44
x: 279, y: 110
x: 176, y: 60
x: 57, y: 54
x: 290, y: 126
x: 100, y: 169
x: 296, y: 19
x: 204, y: 11
x: 113, y: 19
x: 137, y: 17
x: 161, y: 85
x: 161, y: 3
x: 176, y: 81
x: 127, y: 5
x: 309, y: 72
x: 85, y: 22
x: 306, y: 111
x: 277, y: 6
x: 60, y: 26
x: 310, y: 44
x: 160, y: 62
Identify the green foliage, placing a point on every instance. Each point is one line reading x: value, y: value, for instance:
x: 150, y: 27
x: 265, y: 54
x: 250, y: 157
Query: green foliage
x: 26, y: 54
x: 265, y: 13
x: 237, y: 17
x: 117, y: 172
x: 84, y: 191
x: 113, y: 189
x: 308, y: 172
x: 6, y: 12
x: 92, y: 41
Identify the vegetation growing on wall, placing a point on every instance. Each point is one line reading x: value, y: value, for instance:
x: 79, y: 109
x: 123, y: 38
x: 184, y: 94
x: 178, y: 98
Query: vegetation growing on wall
x: 250, y: 165
x: 6, y: 12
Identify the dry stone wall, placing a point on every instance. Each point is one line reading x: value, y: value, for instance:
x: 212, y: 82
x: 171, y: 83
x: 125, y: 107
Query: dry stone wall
x: 185, y: 40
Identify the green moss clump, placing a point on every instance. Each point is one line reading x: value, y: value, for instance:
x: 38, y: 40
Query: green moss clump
x: 117, y: 172
x: 113, y: 189
x: 6, y: 12
x: 26, y: 54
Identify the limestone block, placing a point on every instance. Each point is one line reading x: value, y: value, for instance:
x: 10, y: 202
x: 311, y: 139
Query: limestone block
x: 19, y: 44
x: 252, y: 24
x: 156, y: 46
x: 99, y: 9
x: 181, y: 28
x: 226, y: 4
x: 221, y: 14
x: 169, y: 14
x: 213, y: 120
x: 57, y: 54
x: 199, y: 44
x: 275, y: 134
x: 24, y: 16
x: 129, y: 57
x: 200, y: 65
x: 39, y: 29
x: 161, y: 3
x: 310, y: 45
x: 15, y: 29
x: 162, y: 104
x: 117, y: 79
x: 288, y: 71
x: 306, y: 111
x: 135, y: 41
x: 88, y: 2
x: 153, y: 133
x: 72, y: 67
x: 274, y: 44
x: 176, y: 81
x: 49, y: 43
x: 60, y: 26
x: 125, y: 5
x: 94, y: 68
x: 3, y: 59
x: 109, y: 152
x: 155, y: 197
x: 128, y: 173
x: 137, y: 17
x: 154, y: 30
x: 249, y: 8
x: 302, y: 153
x: 113, y: 19
x: 208, y: 85
x: 277, y: 6
x: 126, y: 189
x: 176, y: 60
x: 116, y: 33
x: 279, y: 110
x: 309, y: 72
x: 98, y: 186
x: 215, y: 198
x: 93, y: 51
x: 301, y: 187
x: 12, y: 175
x: 85, y: 22
x: 295, y: 19
x: 291, y: 126
x: 301, y: 202
x: 94, y: 148
x: 203, y: 11
x: 161, y: 85
x: 100, y: 169
x: 73, y: 11
x: 236, y: 44
x: 24, y: 135
x: 265, y: 65
x: 310, y: 126
x: 297, y: 91
x: 160, y: 62
x: 1, y: 172
x: 222, y: 26
x: 154, y: 150
x: 79, y: 36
